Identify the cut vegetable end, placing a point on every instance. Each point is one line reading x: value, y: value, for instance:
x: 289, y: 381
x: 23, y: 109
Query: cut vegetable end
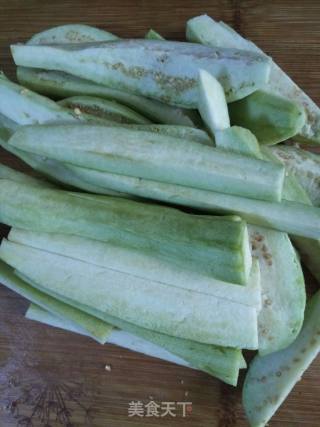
x: 212, y: 103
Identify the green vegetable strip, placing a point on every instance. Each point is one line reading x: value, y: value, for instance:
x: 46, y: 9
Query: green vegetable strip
x: 97, y: 328
x: 153, y: 156
x: 24, y: 107
x: 166, y: 71
x: 16, y: 176
x: 205, y: 30
x: 105, y: 109
x: 152, y: 305
x: 71, y: 33
x: 59, y: 85
x: 221, y: 362
x: 271, y: 378
x: 215, y: 246
x: 153, y: 35
x: 111, y: 255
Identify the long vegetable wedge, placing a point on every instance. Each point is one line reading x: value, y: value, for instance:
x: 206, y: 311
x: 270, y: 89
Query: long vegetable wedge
x: 116, y: 337
x: 98, y: 329
x: 304, y: 165
x: 17, y: 176
x: 59, y: 85
x: 103, y: 108
x: 290, y: 217
x: 271, y: 378
x: 167, y: 71
x: 110, y: 255
x: 151, y: 156
x: 71, y: 33
x: 270, y: 117
x: 23, y: 107
x: 205, y: 30
x: 215, y: 246
x: 151, y: 305
x: 282, y: 281
x: 206, y: 357
x: 222, y: 362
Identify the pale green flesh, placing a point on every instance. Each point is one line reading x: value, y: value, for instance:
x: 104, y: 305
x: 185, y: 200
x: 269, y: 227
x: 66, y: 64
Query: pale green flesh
x: 282, y: 281
x: 82, y: 322
x: 212, y: 103
x: 221, y: 362
x: 215, y: 246
x: 153, y: 156
x: 282, y: 286
x: 71, y: 33
x: 59, y: 84
x: 305, y: 166
x: 271, y: 378
x: 205, y: 30
x: 105, y: 109
x: 96, y: 328
x: 271, y: 118
x: 239, y: 140
x: 166, y: 71
x: 153, y: 35
x: 17, y: 176
x: 24, y: 107
x: 140, y: 264
x: 151, y: 305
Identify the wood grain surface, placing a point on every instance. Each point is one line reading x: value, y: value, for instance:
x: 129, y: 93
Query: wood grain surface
x: 53, y: 378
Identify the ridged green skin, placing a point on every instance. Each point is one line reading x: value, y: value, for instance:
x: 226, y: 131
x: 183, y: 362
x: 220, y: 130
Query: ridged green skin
x: 60, y: 85
x: 220, y: 362
x: 212, y: 245
x: 205, y: 30
x: 271, y: 118
x: 271, y: 378
x: 97, y: 328
x: 163, y: 70
x: 304, y: 165
x: 153, y: 156
x: 150, y: 304
x: 105, y: 109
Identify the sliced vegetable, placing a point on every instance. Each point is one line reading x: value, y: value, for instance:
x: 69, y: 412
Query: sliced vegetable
x: 215, y: 246
x: 23, y: 107
x: 71, y: 33
x: 204, y: 29
x: 17, y: 176
x: 106, y: 109
x: 116, y: 337
x: 304, y: 165
x: 111, y: 255
x: 153, y: 156
x: 167, y: 71
x: 212, y: 103
x: 152, y: 305
x: 270, y: 117
x: 153, y: 35
x: 59, y: 84
x: 96, y: 328
x: 238, y: 140
x: 271, y: 378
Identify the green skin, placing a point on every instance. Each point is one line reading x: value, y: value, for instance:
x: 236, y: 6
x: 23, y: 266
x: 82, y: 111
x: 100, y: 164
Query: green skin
x: 271, y: 378
x: 163, y: 70
x: 271, y: 118
x: 155, y: 157
x: 218, y: 244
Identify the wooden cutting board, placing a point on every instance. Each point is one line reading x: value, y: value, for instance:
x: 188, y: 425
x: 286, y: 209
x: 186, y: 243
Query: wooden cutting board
x: 53, y: 378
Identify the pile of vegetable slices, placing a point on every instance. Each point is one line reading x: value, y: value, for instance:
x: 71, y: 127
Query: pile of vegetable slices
x: 114, y: 126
